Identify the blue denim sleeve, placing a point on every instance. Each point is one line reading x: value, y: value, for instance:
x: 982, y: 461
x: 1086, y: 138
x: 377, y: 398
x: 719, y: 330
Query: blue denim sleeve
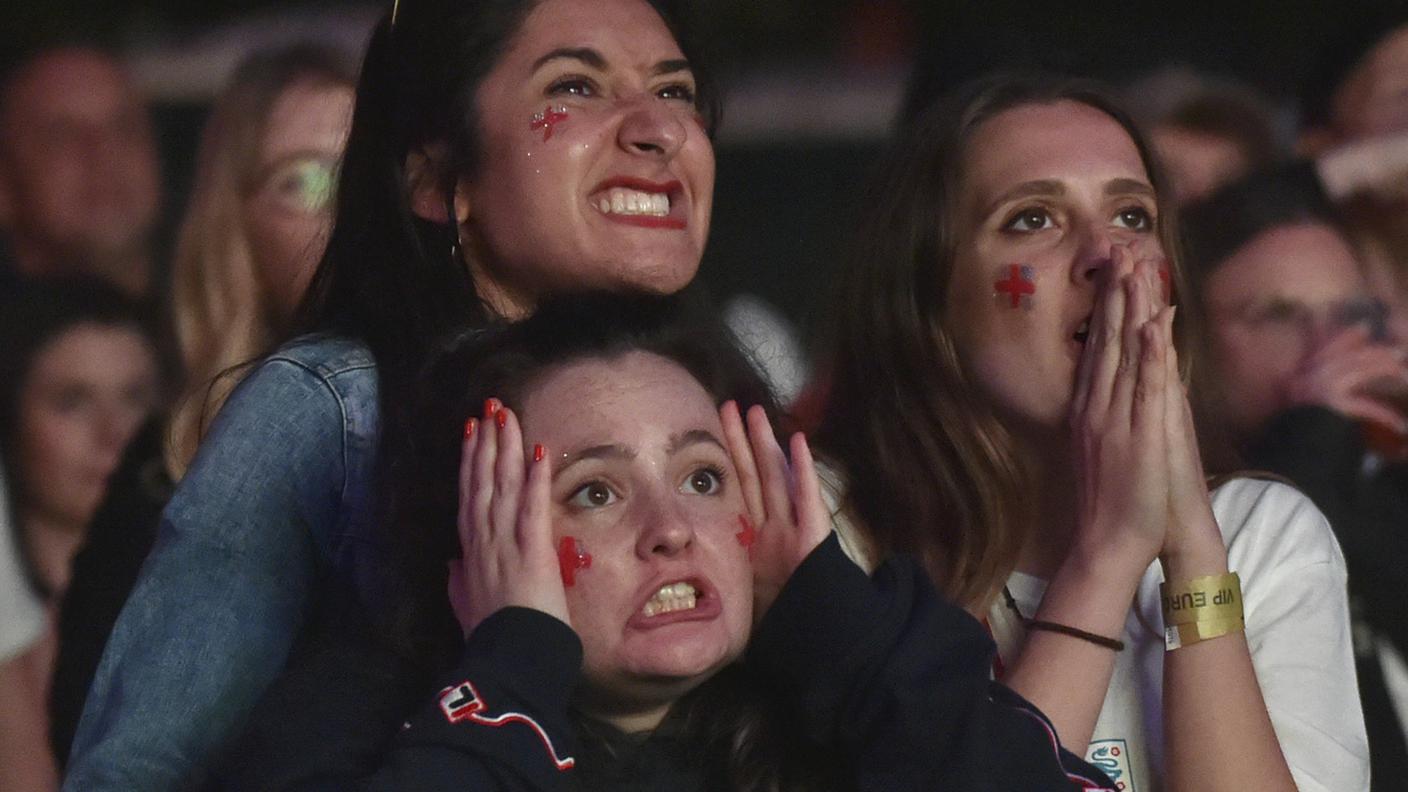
x: 224, y: 591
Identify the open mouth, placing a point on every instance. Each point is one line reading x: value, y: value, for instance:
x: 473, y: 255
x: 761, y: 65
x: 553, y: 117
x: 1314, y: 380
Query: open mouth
x: 640, y: 202
x: 672, y: 598
x: 1082, y: 333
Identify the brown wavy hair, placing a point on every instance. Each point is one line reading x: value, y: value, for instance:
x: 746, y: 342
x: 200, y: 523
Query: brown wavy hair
x: 930, y: 468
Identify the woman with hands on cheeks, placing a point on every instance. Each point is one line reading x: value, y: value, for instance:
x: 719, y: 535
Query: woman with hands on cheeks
x: 626, y: 537
x: 1008, y: 339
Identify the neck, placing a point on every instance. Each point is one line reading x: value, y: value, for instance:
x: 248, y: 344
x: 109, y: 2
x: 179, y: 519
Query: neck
x: 52, y: 543
x: 1055, y: 484
x: 501, y: 298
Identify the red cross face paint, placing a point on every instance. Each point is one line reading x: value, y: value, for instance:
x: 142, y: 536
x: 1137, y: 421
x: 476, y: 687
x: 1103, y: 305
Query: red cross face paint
x: 748, y: 535
x: 1015, y: 286
x: 1167, y: 282
x: 546, y: 120
x: 571, y: 558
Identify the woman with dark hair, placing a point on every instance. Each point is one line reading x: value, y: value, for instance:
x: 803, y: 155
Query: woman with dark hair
x: 1006, y: 401
x: 1305, y: 380
x: 621, y: 538
x: 500, y: 150
x: 78, y: 376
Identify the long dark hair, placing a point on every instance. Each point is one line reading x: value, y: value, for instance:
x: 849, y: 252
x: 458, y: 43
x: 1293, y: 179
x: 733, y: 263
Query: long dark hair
x: 35, y: 314
x: 931, y: 470
x: 722, y: 724
x: 388, y: 277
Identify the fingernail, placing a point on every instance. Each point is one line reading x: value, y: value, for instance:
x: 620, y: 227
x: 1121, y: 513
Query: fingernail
x: 492, y: 406
x: 469, y: 427
x: 501, y: 418
x: 538, y: 452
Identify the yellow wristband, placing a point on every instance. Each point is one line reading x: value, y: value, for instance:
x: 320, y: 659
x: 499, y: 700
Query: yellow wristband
x: 1177, y: 636
x: 1201, y: 608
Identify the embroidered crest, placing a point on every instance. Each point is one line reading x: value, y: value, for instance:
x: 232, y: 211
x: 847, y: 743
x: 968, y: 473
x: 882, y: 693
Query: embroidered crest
x: 1112, y: 756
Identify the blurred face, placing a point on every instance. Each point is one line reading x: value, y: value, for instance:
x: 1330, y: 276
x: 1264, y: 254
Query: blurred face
x: 1373, y: 100
x: 78, y: 167
x: 1198, y: 163
x: 1271, y: 304
x: 87, y: 393
x: 596, y: 169
x: 641, y: 480
x: 1048, y: 189
x: 290, y: 213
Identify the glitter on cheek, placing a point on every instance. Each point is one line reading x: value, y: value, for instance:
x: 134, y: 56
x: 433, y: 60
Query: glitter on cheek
x: 547, y: 120
x: 1015, y: 286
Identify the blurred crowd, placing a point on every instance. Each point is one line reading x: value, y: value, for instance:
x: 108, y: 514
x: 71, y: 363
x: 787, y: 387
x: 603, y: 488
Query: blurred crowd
x: 119, y: 342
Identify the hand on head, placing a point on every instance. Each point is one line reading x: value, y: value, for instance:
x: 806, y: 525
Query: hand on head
x: 787, y: 514
x: 505, y: 525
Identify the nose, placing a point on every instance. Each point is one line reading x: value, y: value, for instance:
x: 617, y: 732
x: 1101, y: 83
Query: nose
x: 664, y: 531
x: 651, y: 129
x: 1093, y: 255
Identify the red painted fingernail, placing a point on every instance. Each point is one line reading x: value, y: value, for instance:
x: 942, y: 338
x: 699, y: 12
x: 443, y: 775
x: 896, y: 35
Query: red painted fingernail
x: 469, y: 427
x: 539, y: 452
x: 501, y: 418
x: 492, y: 406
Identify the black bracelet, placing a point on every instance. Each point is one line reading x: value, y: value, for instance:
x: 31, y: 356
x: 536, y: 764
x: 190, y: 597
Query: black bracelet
x: 1098, y: 640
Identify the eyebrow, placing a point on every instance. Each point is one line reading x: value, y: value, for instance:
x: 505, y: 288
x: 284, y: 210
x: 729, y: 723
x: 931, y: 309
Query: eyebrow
x: 596, y: 60
x: 1126, y: 186
x: 603, y: 451
x: 692, y: 437
x: 1039, y: 187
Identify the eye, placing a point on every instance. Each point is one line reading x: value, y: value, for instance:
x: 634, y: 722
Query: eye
x: 704, y: 481
x: 592, y: 495
x: 572, y: 86
x: 1135, y: 218
x: 681, y: 91
x: 1029, y: 219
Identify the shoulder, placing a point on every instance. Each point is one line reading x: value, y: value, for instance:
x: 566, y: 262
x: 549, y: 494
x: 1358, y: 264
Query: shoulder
x: 327, y: 356
x: 1267, y: 522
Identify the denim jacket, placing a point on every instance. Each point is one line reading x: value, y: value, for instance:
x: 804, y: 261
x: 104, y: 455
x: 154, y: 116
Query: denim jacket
x: 278, y: 495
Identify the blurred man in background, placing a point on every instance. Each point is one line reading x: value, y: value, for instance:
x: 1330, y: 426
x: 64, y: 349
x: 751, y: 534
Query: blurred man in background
x: 79, y: 177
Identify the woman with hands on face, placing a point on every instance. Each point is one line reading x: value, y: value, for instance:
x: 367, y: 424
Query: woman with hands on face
x: 1008, y: 343
x: 648, y: 595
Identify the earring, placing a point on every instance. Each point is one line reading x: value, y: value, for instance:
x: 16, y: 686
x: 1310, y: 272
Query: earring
x: 456, y: 248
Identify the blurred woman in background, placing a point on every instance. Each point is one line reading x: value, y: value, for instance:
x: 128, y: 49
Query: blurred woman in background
x: 78, y: 376
x: 257, y: 221
x: 256, y: 224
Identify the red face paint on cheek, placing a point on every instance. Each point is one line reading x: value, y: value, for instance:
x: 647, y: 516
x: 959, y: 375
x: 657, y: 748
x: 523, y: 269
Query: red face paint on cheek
x: 748, y: 535
x: 570, y: 558
x: 546, y: 120
x: 1015, y: 286
x: 1167, y: 281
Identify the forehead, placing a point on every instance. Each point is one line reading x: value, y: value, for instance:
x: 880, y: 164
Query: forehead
x: 1066, y: 141
x: 309, y: 115
x: 1310, y: 262
x: 619, y: 29
x: 93, y: 351
x: 636, y: 399
x: 69, y: 83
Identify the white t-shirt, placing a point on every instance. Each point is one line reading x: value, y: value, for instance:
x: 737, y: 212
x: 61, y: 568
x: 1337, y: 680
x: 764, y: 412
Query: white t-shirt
x: 22, y: 618
x: 1297, y: 624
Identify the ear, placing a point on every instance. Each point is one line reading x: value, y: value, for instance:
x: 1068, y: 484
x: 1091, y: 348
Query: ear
x: 425, y: 177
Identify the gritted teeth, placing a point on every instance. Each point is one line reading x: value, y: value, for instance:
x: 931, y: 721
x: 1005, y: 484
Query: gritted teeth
x: 671, y: 597
x: 619, y: 200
